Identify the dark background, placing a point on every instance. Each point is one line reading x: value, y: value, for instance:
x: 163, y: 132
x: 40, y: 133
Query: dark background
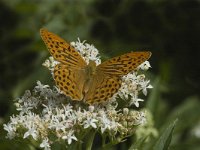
x: 169, y: 29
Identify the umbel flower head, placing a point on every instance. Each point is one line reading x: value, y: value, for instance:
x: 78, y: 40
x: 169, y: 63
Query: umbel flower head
x: 48, y: 116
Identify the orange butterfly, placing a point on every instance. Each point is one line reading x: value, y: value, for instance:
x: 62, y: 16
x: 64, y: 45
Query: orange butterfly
x: 90, y: 83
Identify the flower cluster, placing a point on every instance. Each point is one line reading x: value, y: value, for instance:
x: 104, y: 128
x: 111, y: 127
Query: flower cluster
x: 132, y: 84
x: 48, y: 116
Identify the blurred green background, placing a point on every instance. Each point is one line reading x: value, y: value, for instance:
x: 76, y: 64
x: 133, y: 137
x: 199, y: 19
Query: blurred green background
x: 169, y: 29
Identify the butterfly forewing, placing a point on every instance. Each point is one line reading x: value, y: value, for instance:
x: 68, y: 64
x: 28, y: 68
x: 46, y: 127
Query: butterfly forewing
x: 122, y: 65
x: 69, y: 74
x: 61, y: 50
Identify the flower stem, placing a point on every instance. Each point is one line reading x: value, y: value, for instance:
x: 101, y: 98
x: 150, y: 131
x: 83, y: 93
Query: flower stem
x: 90, y: 140
x: 103, y: 140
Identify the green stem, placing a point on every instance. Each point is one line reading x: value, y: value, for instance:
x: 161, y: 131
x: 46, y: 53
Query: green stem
x: 90, y: 140
x: 103, y: 140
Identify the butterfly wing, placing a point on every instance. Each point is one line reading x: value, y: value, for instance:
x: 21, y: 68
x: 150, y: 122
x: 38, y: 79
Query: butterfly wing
x: 102, y: 88
x: 61, y: 50
x: 70, y: 81
x: 122, y: 65
x: 107, y: 80
x: 69, y: 74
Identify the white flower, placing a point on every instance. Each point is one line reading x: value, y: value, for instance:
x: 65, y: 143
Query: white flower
x: 14, y: 120
x: 45, y: 144
x: 79, y: 115
x: 24, y: 108
x: 11, y: 129
x: 68, y: 109
x: 90, y: 122
x: 31, y: 131
x: 87, y: 51
x: 50, y: 63
x: 40, y: 86
x: 145, y: 85
x: 69, y: 137
x: 145, y: 65
x: 105, y: 123
x: 91, y: 108
x: 56, y: 124
x: 140, y: 118
x: 46, y: 63
x: 132, y: 87
x: 135, y: 100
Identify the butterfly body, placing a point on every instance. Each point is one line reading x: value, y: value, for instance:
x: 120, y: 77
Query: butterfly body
x: 88, y: 82
x: 90, y: 73
x: 91, y: 68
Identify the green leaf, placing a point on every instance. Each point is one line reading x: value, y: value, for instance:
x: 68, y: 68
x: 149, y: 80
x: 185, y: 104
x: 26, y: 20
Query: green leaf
x: 188, y: 113
x: 165, y: 138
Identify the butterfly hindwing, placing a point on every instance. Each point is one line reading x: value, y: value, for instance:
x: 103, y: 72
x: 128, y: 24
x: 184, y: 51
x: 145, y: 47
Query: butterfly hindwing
x: 61, y: 50
x: 102, y: 88
x: 122, y: 65
x: 70, y: 81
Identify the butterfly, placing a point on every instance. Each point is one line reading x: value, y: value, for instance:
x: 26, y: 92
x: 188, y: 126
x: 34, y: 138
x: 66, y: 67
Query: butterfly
x: 90, y: 83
